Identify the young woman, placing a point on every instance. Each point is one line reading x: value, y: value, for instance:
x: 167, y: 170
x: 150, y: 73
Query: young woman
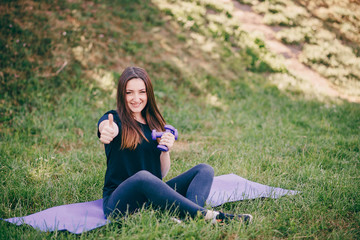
x: 135, y: 167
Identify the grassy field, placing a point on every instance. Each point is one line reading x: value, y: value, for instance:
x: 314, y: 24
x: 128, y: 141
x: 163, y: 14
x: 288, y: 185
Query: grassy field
x: 58, y: 70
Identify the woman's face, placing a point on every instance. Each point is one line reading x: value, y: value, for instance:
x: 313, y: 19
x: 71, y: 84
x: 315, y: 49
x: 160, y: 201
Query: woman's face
x: 136, y: 97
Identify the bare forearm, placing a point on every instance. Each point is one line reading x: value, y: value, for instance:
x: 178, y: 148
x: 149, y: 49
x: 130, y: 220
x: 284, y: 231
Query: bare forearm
x: 165, y: 163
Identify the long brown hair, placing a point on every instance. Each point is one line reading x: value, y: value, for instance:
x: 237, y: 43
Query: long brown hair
x: 131, y: 133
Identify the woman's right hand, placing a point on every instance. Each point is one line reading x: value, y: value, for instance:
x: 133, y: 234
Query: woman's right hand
x: 108, y: 130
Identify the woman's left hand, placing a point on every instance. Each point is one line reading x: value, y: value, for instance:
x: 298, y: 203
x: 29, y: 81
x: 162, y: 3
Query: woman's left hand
x: 168, y: 140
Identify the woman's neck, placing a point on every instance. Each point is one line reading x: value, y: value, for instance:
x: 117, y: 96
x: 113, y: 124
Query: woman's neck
x: 139, y: 118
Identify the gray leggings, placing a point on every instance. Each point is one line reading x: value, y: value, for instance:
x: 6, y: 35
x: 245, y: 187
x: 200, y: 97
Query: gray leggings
x: 187, y: 192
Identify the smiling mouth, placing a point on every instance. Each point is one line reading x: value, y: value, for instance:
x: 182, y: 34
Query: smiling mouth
x: 135, y: 104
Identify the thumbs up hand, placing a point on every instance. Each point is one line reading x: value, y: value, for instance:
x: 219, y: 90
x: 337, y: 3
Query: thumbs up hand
x: 108, y: 130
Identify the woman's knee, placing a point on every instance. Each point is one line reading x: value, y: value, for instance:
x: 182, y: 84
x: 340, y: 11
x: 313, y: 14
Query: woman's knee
x: 143, y: 176
x: 205, y: 168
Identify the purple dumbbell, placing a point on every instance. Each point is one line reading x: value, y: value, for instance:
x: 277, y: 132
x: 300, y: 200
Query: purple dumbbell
x: 168, y: 128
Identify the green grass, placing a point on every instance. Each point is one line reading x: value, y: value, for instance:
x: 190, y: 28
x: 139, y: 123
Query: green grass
x: 227, y: 113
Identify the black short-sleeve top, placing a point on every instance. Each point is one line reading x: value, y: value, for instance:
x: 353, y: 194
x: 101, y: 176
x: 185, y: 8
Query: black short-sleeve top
x: 123, y: 163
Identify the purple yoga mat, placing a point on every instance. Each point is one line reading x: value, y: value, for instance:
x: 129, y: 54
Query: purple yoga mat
x: 82, y: 217
x: 76, y: 218
x: 232, y: 188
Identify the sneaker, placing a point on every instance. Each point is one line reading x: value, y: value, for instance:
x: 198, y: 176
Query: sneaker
x: 176, y: 220
x: 226, y: 218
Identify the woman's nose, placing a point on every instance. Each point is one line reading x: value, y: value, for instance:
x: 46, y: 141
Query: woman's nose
x: 136, y: 96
